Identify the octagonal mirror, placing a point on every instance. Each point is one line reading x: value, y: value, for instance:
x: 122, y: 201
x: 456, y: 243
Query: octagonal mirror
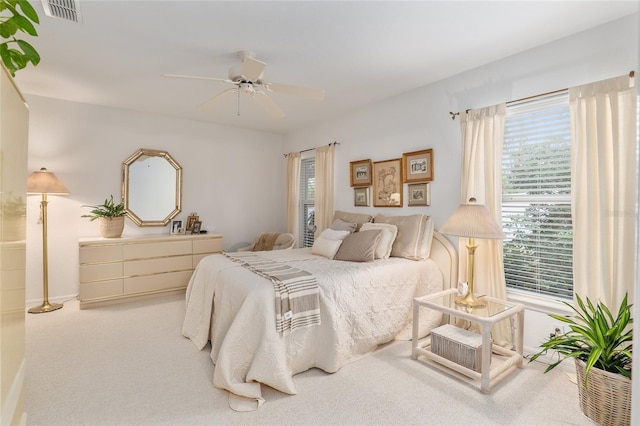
x: 151, y: 187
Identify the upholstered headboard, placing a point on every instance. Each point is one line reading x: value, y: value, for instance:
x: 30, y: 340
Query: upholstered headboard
x: 446, y: 257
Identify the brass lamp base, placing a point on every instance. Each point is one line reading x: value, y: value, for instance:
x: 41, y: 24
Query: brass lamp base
x: 45, y: 307
x: 470, y: 300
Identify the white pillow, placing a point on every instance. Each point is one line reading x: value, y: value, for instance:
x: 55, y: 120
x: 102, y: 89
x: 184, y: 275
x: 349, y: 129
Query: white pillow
x: 332, y: 234
x: 389, y: 232
x: 328, y: 242
x: 325, y: 247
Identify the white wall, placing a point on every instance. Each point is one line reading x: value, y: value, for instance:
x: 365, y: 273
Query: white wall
x: 420, y: 119
x: 233, y: 178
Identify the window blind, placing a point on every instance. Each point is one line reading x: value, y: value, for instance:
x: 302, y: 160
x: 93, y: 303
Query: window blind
x: 307, y: 201
x: 536, y: 196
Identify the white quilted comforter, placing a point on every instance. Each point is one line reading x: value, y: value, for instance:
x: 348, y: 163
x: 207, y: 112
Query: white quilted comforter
x: 362, y: 305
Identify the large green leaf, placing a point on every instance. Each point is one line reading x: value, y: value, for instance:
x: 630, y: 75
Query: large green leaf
x: 29, y: 52
x: 28, y: 10
x: 25, y: 25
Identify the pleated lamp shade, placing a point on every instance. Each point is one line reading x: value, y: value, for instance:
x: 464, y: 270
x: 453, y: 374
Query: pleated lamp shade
x: 45, y: 182
x: 472, y: 220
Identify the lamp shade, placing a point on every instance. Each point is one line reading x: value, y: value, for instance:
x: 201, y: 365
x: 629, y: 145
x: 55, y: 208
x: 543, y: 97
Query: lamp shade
x: 45, y: 182
x: 472, y: 220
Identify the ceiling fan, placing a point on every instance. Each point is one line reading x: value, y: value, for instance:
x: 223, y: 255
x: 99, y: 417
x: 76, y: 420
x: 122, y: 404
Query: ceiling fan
x: 247, y: 78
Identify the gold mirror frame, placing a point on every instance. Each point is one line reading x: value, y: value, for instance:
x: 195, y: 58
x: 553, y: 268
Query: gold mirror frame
x: 163, y: 218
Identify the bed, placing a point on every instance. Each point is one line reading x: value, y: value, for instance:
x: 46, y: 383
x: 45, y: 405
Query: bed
x: 361, y: 305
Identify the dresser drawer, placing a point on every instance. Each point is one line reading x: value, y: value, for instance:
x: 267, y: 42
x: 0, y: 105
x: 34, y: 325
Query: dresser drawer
x: 154, y: 266
x: 156, y: 249
x: 101, y: 289
x: 157, y: 282
x: 100, y: 254
x: 100, y: 272
x: 209, y: 245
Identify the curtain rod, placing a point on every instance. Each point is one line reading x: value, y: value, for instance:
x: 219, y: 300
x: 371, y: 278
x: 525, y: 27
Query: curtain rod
x: 453, y: 114
x: 311, y: 149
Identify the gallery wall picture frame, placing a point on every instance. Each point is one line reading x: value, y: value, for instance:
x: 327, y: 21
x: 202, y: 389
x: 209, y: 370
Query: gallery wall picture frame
x: 196, y: 227
x: 360, y: 172
x: 361, y: 196
x: 417, y: 166
x: 387, y: 183
x: 419, y: 194
x: 191, y: 219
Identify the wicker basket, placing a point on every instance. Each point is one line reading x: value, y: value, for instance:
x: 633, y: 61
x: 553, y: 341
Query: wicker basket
x: 607, y: 399
x: 111, y: 227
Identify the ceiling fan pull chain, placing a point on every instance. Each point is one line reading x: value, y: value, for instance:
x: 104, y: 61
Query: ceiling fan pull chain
x: 238, y: 103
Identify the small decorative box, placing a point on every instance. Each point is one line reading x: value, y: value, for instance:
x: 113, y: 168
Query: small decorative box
x: 461, y: 346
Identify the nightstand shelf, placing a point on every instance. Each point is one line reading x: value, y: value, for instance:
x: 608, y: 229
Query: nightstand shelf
x: 496, y: 361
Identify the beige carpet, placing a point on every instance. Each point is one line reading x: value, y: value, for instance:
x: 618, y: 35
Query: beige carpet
x: 128, y: 364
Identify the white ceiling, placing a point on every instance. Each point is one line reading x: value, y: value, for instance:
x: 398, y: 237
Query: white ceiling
x: 358, y: 52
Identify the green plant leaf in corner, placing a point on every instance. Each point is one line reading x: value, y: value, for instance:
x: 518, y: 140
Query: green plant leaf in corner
x: 29, y: 52
x: 28, y: 10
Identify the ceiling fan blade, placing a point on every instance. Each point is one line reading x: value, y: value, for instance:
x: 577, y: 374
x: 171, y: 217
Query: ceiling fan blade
x: 268, y: 105
x: 252, y: 68
x: 195, y: 77
x: 219, y: 98
x: 305, y: 92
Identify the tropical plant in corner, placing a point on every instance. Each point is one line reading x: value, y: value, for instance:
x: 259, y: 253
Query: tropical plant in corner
x: 17, y: 16
x: 108, y: 209
x: 594, y: 337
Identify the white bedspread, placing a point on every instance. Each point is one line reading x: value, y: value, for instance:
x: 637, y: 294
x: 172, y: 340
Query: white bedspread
x: 362, y: 305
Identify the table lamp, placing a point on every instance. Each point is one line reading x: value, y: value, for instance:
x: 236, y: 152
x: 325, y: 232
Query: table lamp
x: 44, y: 182
x: 471, y: 220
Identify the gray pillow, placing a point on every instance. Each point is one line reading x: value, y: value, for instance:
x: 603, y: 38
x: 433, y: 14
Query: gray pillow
x: 414, y: 235
x: 341, y: 225
x: 358, y: 218
x: 359, y: 247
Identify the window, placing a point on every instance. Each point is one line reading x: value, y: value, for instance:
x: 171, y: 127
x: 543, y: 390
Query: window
x: 536, y: 196
x: 307, y: 200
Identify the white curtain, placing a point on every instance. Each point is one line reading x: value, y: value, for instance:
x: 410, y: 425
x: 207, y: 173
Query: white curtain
x: 482, y: 138
x: 603, y: 168
x: 324, y: 187
x: 293, y: 194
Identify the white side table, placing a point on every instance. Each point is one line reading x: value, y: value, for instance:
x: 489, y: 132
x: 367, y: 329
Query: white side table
x: 497, y: 361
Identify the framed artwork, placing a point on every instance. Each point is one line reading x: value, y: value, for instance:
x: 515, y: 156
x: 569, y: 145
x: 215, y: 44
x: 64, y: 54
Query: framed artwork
x: 176, y: 227
x: 360, y: 173
x: 196, y: 227
x: 419, y: 194
x: 387, y: 183
x: 418, y: 166
x: 361, y: 196
x: 191, y: 219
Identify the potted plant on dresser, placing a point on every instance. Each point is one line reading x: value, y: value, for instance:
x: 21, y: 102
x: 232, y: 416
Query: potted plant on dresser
x: 110, y: 216
x: 601, y: 346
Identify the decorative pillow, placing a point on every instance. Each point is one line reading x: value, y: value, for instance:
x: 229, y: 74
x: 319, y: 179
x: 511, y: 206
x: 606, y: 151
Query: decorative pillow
x: 358, y: 218
x: 414, y: 235
x: 341, y: 225
x: 389, y: 233
x: 332, y: 234
x: 325, y: 247
x: 359, y: 247
x: 328, y: 242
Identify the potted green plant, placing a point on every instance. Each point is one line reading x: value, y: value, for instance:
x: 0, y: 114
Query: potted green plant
x: 17, y: 16
x: 601, y: 346
x: 111, y: 217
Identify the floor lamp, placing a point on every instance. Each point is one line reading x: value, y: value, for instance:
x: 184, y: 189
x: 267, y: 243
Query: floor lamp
x: 472, y: 221
x: 44, y: 182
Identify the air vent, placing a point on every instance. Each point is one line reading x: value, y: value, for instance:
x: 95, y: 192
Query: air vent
x: 63, y: 9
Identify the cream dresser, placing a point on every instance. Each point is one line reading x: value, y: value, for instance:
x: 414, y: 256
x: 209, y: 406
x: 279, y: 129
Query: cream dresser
x: 121, y: 269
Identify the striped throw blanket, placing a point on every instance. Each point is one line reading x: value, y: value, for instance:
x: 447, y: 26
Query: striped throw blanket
x: 297, y: 296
